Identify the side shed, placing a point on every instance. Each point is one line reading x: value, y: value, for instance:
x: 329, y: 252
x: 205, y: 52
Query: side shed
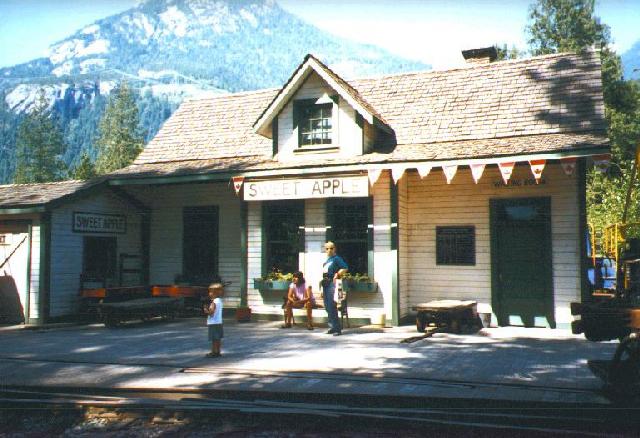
x: 50, y: 233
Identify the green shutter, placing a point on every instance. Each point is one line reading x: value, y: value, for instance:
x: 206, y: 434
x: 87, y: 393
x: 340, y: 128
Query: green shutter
x: 274, y: 136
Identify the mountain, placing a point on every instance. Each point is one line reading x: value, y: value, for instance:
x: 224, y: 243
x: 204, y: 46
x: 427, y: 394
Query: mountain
x: 631, y: 62
x: 168, y: 50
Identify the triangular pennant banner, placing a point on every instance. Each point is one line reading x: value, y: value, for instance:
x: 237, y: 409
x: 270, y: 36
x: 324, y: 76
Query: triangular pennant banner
x: 537, y: 166
x: 568, y: 165
x: 374, y: 174
x: 397, y: 172
x: 237, y: 183
x: 450, y: 172
x: 423, y: 170
x: 601, y: 162
x: 506, y: 169
x: 476, y: 171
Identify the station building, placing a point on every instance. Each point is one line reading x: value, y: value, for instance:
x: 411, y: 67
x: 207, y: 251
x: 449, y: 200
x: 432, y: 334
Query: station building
x: 459, y: 184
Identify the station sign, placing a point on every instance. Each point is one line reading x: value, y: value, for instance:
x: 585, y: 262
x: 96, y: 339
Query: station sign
x: 329, y: 187
x: 99, y: 223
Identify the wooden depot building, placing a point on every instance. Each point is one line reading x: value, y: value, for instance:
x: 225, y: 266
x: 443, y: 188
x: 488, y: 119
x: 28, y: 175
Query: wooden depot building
x: 463, y: 184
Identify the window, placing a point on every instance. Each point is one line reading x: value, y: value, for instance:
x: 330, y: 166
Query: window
x: 284, y: 235
x: 456, y: 246
x: 200, y: 244
x: 314, y: 121
x: 348, y: 221
x: 99, y: 257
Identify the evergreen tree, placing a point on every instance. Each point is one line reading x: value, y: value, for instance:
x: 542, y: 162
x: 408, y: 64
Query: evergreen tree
x: 119, y: 141
x: 570, y: 25
x: 85, y: 168
x: 39, y: 145
x: 504, y: 52
x: 8, y: 127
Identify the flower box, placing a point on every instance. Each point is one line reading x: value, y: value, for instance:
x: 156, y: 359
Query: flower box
x: 278, y: 285
x: 359, y: 286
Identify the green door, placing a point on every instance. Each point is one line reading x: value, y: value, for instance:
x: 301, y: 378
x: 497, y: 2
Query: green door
x: 522, y: 283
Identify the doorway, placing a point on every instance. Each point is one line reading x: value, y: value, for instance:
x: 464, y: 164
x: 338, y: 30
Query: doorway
x: 521, y: 265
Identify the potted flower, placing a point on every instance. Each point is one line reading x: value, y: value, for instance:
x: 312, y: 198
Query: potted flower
x: 275, y: 280
x: 358, y: 283
x: 243, y: 313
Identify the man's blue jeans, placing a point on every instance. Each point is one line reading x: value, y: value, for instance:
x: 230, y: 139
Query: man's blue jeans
x: 330, y: 307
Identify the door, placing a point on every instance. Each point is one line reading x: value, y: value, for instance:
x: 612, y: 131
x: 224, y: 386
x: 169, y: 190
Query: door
x: 14, y: 271
x: 200, y: 245
x: 522, y: 283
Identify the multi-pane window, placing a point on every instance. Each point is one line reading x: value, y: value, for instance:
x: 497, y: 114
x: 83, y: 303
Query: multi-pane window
x: 99, y: 257
x: 200, y: 244
x: 284, y: 235
x: 315, y: 124
x: 348, y: 221
x: 456, y: 246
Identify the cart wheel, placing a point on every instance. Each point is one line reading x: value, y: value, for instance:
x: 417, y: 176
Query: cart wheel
x: 421, y: 322
x: 624, y: 373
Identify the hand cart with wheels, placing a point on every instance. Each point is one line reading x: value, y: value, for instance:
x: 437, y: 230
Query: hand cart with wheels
x: 451, y: 315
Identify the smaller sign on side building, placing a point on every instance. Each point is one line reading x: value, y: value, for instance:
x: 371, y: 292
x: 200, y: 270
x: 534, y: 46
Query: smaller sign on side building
x: 84, y: 222
x: 308, y: 188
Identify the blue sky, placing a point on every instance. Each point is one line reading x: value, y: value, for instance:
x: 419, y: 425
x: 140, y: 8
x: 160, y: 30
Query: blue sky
x: 433, y: 31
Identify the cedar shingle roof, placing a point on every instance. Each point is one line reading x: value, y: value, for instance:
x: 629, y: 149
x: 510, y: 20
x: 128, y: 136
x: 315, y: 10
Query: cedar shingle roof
x: 433, y: 152
x: 432, y: 114
x: 29, y: 195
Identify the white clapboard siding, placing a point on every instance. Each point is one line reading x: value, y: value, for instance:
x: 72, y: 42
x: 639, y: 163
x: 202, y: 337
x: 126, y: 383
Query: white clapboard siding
x: 346, y: 133
x: 34, y: 287
x: 314, y: 238
x: 254, y: 261
x: 384, y: 258
x: 403, y: 243
x: 431, y: 202
x: 67, y: 247
x: 165, y: 253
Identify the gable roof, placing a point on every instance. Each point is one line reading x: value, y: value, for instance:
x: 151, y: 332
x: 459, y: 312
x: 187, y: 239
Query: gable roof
x: 528, y: 106
x: 311, y: 64
x: 20, y: 196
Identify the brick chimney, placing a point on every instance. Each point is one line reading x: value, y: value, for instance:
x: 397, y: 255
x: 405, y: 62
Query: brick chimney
x: 480, y: 56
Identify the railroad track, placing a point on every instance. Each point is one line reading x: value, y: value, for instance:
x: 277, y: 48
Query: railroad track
x: 406, y: 412
x: 536, y: 420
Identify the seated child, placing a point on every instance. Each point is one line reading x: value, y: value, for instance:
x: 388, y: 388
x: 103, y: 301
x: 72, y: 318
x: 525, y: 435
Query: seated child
x: 299, y: 296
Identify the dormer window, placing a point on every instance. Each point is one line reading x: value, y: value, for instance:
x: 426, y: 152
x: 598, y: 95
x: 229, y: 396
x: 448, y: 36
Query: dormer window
x: 314, y: 120
x: 315, y: 124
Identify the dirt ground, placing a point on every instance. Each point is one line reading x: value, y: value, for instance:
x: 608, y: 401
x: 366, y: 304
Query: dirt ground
x: 102, y: 423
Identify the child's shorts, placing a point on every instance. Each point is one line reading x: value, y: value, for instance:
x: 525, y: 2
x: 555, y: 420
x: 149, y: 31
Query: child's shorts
x: 215, y: 332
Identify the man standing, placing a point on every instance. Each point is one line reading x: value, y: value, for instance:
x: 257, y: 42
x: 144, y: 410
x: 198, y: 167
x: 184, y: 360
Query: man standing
x: 332, y: 269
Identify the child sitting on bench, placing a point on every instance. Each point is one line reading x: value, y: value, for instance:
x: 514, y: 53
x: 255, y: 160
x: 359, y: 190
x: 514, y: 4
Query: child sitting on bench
x: 299, y: 296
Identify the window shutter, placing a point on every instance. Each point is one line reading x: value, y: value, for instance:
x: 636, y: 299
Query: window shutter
x: 274, y: 136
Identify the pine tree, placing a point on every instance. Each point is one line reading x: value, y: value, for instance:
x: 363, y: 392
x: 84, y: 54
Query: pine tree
x: 119, y: 141
x: 39, y: 145
x: 85, y: 168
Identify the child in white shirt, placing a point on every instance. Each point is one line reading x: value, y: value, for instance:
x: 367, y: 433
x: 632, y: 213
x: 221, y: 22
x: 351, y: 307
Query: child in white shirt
x: 214, y: 318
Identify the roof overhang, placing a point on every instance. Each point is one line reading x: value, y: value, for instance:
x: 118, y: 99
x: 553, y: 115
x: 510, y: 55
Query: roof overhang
x: 311, y: 65
x: 225, y: 174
